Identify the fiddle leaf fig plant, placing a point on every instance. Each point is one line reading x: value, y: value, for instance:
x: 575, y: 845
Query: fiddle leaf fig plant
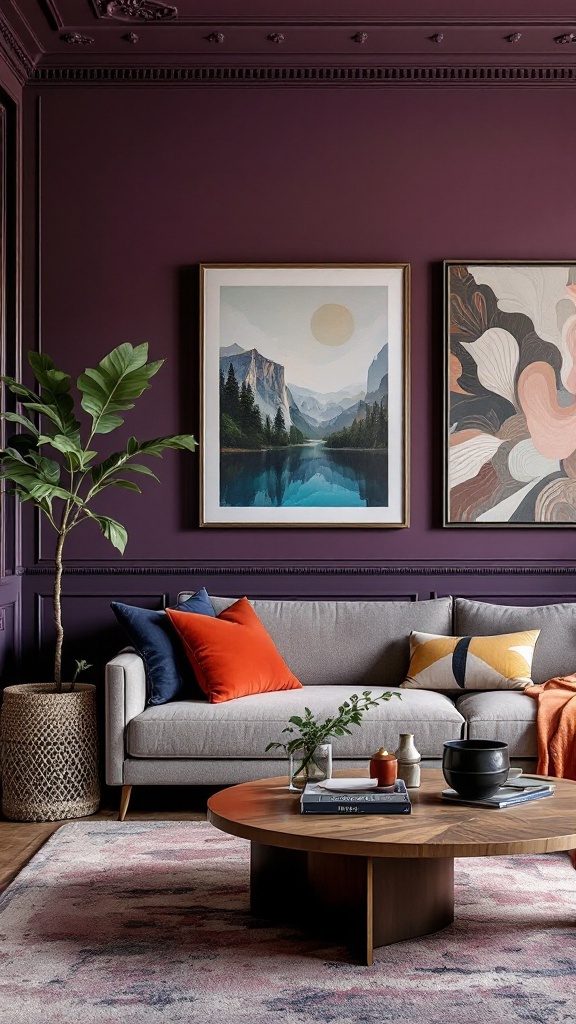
x: 52, y: 461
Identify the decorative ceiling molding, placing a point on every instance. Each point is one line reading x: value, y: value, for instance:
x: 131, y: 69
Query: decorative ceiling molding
x: 77, y: 39
x: 14, y: 53
x: 400, y: 76
x: 288, y: 41
x: 141, y: 10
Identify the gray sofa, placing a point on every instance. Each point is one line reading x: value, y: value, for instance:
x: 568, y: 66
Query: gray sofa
x: 335, y: 648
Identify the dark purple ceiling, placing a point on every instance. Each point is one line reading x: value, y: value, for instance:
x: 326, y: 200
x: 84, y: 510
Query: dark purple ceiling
x: 68, y: 34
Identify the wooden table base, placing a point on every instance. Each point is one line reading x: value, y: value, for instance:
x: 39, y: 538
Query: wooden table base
x: 363, y: 901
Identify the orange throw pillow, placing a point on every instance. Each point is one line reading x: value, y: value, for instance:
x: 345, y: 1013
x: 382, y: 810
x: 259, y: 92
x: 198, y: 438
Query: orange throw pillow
x: 232, y: 654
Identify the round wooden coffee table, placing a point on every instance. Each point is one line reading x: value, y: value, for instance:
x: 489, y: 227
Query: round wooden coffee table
x: 375, y: 879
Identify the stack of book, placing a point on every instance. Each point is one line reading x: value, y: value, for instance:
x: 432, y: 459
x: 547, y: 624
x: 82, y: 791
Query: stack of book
x: 516, y: 791
x: 378, y: 800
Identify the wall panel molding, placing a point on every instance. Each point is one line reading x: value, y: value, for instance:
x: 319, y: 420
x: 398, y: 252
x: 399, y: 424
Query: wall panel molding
x: 305, y: 569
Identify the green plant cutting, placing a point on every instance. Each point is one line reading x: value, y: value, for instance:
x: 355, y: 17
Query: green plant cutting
x: 309, y: 734
x: 52, y: 461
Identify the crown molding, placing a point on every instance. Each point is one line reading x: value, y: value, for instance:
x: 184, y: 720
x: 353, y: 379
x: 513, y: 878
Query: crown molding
x: 14, y: 53
x: 312, y: 75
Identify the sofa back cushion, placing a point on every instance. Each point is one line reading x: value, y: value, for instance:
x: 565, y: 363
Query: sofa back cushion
x: 360, y: 643
x: 555, y: 652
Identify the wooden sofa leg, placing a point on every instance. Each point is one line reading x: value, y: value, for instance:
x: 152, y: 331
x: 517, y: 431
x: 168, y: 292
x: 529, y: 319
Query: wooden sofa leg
x: 124, y: 801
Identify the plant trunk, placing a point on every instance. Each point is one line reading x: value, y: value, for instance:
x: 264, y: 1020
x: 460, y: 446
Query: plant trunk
x: 57, y: 605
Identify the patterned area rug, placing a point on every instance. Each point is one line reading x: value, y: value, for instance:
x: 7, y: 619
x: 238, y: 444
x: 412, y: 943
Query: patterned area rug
x: 122, y: 923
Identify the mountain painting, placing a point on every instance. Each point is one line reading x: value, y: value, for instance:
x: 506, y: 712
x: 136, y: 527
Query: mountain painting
x: 304, y: 376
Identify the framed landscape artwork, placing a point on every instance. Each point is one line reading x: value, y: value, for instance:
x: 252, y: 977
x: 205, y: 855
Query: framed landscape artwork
x: 304, y: 394
x: 510, y: 385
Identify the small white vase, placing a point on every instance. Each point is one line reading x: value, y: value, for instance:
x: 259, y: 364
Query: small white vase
x: 408, y: 761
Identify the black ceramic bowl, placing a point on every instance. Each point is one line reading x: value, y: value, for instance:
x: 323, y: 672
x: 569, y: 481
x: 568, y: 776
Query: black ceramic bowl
x: 475, y: 768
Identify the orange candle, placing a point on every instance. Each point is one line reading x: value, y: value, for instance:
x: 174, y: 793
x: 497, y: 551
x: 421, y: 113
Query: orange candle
x: 384, y: 767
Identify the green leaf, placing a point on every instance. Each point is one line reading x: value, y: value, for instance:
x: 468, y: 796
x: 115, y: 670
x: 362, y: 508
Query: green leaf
x: 112, y: 387
x: 61, y: 415
x: 27, y: 480
x: 15, y: 417
x: 112, y: 530
x: 54, y: 385
x: 49, y: 469
x: 18, y: 389
x: 136, y: 467
x: 34, y: 475
x: 43, y: 490
x: 66, y: 445
x: 54, y: 381
x: 157, y: 446
x: 118, y: 482
x: 71, y: 447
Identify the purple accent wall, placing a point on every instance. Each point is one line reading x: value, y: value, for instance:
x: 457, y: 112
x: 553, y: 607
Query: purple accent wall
x: 137, y: 184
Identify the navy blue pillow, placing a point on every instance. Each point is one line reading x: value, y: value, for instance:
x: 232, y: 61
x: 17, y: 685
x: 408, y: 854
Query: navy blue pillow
x: 169, y: 675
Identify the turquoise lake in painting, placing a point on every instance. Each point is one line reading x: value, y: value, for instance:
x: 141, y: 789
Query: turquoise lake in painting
x: 309, y: 476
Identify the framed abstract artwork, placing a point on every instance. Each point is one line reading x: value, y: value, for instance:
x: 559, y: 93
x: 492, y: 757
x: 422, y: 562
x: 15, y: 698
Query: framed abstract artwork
x: 510, y: 387
x: 304, y: 384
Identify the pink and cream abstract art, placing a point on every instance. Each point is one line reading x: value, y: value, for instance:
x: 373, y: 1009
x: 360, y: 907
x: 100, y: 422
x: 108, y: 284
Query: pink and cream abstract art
x: 511, y: 393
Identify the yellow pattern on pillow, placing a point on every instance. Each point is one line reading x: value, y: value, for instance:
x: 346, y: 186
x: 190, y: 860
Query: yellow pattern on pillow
x: 501, y: 662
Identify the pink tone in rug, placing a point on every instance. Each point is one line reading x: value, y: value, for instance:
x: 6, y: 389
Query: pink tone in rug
x: 148, y: 923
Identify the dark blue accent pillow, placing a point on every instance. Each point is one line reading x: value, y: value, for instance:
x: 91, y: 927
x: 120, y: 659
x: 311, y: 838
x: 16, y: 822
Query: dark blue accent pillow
x: 169, y: 675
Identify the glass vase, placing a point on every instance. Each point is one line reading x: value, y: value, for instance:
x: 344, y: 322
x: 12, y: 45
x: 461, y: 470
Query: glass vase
x: 309, y: 766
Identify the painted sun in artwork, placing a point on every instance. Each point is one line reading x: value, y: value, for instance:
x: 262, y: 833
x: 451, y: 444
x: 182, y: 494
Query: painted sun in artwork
x: 332, y: 324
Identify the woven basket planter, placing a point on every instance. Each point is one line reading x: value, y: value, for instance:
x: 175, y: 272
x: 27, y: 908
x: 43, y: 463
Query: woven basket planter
x: 49, y: 748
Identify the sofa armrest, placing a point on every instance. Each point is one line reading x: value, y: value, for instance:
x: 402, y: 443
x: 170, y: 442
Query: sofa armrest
x: 125, y: 689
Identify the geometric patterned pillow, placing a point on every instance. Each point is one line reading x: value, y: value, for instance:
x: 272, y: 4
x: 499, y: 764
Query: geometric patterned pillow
x: 501, y: 662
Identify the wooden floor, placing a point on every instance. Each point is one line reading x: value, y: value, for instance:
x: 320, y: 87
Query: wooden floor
x: 19, y: 841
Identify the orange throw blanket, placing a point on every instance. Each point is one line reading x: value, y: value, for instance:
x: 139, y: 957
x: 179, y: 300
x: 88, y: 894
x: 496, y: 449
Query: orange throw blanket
x: 556, y: 725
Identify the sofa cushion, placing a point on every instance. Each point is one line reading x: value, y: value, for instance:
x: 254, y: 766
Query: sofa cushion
x: 232, y: 654
x: 555, y: 653
x: 168, y: 672
x: 501, y: 662
x: 504, y: 715
x: 361, y: 643
x: 244, y: 727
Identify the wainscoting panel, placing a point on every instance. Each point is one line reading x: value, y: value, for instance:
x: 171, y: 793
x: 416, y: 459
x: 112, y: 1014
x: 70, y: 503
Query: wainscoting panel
x: 9, y: 628
x: 90, y: 628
